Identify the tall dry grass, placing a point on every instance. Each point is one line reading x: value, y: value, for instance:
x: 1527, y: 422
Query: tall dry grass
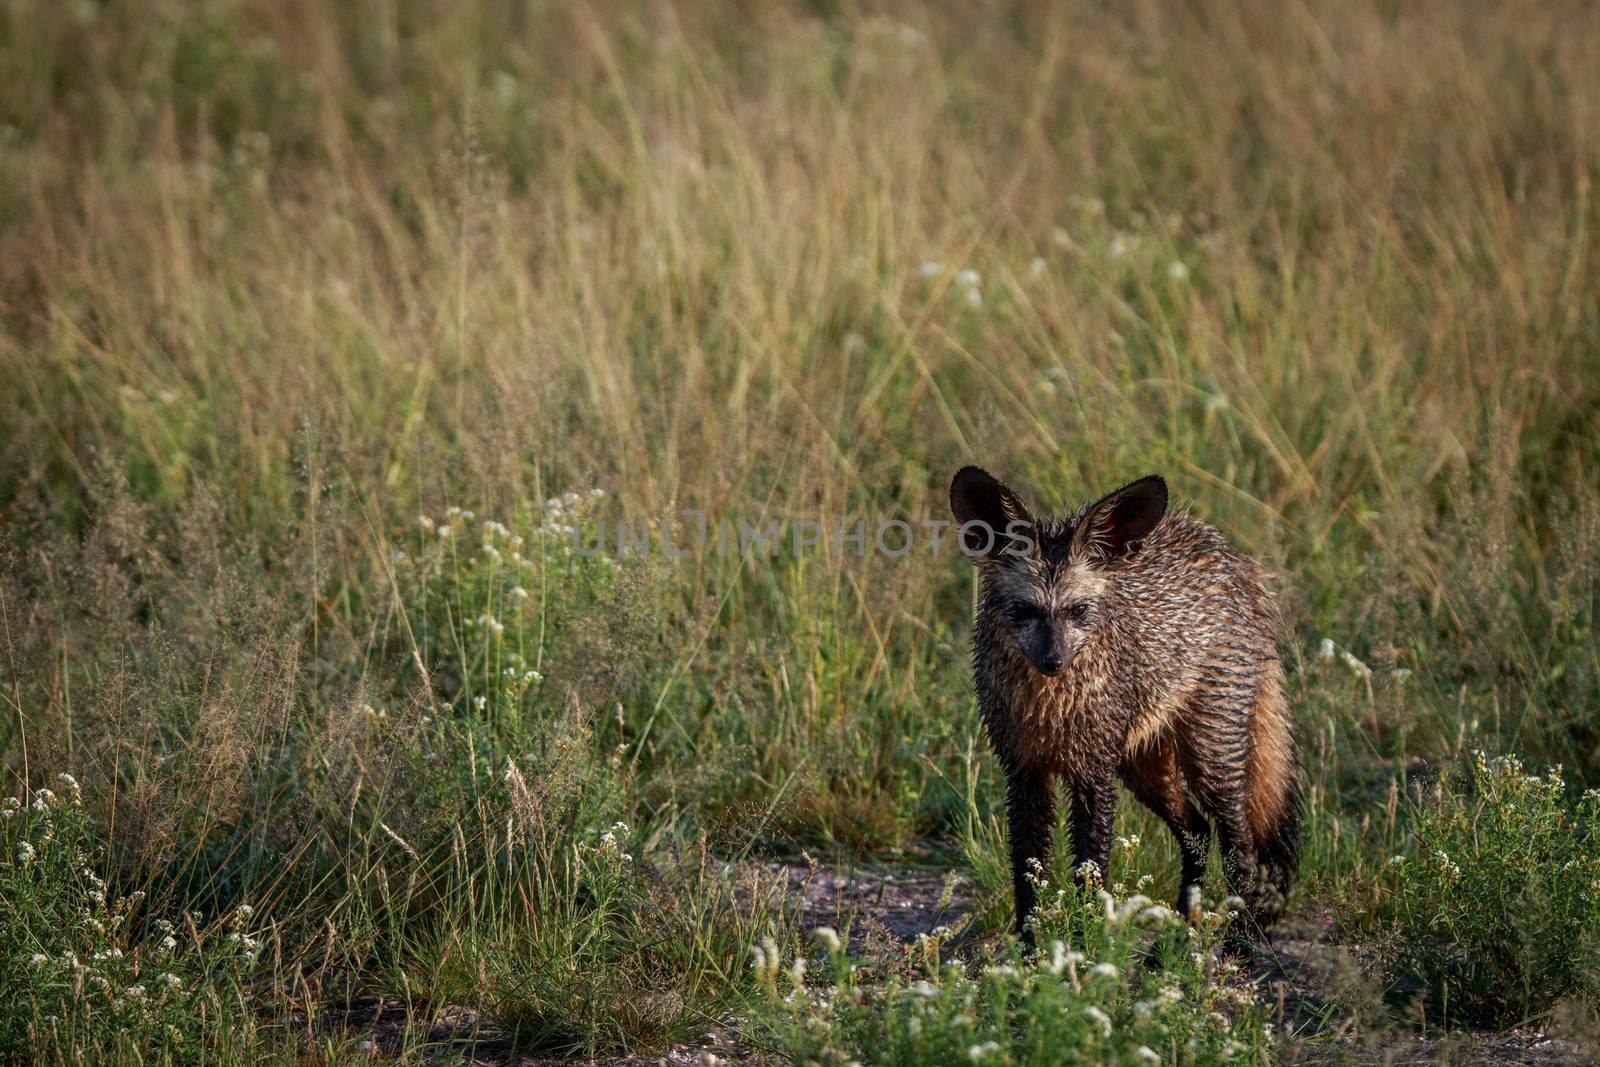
x: 276, y: 278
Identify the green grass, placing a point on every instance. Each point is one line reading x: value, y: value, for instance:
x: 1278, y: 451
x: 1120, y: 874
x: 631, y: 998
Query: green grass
x: 1494, y: 905
x: 276, y: 282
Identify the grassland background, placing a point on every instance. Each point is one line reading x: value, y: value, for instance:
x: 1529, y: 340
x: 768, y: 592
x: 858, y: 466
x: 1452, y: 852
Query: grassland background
x: 275, y: 278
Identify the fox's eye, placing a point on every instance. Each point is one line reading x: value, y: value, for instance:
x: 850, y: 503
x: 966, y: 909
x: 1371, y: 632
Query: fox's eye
x: 1078, y: 612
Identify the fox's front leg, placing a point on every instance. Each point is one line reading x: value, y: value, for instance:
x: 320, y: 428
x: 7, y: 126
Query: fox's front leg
x: 1031, y: 815
x: 1094, y: 804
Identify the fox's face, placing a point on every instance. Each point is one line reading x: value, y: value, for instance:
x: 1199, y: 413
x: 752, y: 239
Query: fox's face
x: 1049, y: 578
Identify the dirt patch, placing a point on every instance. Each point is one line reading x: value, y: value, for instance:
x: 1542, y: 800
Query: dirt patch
x: 876, y: 903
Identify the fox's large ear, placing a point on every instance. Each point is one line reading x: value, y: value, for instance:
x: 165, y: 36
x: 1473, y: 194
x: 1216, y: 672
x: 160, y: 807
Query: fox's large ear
x: 988, y: 514
x: 1119, y: 522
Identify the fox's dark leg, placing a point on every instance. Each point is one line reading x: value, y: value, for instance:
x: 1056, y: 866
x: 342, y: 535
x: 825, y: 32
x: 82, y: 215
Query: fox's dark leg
x: 1155, y: 778
x: 1031, y: 814
x: 1094, y: 805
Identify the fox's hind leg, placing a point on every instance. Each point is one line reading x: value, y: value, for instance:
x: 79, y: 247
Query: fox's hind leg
x: 1239, y: 758
x: 1154, y: 777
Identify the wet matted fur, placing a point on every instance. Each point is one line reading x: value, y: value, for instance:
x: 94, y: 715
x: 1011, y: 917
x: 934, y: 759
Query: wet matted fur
x: 1124, y: 641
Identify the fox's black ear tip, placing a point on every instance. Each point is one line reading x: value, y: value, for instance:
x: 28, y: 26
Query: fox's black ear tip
x: 971, y: 475
x: 1153, y: 484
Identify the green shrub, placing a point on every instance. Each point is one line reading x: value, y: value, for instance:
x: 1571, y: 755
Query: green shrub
x: 1496, y: 909
x: 1145, y: 988
x: 529, y: 895
x: 92, y: 978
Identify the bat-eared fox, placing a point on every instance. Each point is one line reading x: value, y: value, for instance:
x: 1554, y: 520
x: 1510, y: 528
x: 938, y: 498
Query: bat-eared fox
x: 1123, y: 641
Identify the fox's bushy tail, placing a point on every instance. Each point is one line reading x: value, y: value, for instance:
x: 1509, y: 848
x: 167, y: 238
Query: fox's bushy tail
x: 1275, y: 806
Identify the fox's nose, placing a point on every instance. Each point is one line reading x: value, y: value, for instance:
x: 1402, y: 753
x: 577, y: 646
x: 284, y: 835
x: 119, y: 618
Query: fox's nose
x: 1051, y: 664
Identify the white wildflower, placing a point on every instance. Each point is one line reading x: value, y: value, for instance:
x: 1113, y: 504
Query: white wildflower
x: 1146, y: 1054
x: 25, y: 853
x: 828, y: 936
x: 1132, y: 906
x: 1159, y: 915
x: 1100, y: 1018
x: 1061, y: 958
x: 968, y: 277
x: 1036, y: 267
x: 1177, y: 271
x: 1446, y: 864
x: 930, y: 267
x: 1359, y: 669
x: 978, y: 1052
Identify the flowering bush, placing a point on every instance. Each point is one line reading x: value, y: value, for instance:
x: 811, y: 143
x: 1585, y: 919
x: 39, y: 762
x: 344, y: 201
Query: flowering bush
x: 1142, y: 986
x: 507, y: 624
x: 92, y: 977
x: 1496, y: 909
x: 483, y: 596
